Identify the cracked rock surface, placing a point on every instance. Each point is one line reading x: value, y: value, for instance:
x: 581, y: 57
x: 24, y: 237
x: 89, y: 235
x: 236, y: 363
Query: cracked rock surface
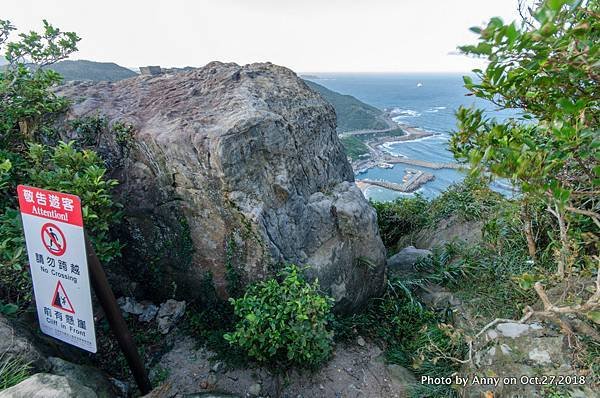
x: 235, y: 167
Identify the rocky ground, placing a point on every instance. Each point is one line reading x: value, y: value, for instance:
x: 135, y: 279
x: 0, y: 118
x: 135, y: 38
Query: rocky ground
x: 354, y: 371
x: 500, y: 352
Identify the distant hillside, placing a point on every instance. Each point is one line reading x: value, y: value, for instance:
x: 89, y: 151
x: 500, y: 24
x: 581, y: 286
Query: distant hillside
x: 352, y: 114
x: 90, y: 70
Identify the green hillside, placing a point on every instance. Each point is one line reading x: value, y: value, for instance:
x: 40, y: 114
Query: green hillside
x: 352, y: 114
x: 90, y: 70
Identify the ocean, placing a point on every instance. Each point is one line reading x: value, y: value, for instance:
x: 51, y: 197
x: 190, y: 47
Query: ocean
x: 424, y: 101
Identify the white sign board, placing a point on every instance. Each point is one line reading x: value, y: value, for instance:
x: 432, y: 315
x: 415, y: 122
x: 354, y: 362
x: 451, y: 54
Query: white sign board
x: 53, y: 226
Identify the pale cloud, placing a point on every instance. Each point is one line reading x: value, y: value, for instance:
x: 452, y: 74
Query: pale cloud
x: 305, y: 35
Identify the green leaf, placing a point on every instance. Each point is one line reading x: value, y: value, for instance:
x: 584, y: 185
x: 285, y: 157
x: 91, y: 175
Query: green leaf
x: 9, y: 309
x: 555, y: 5
x: 594, y: 316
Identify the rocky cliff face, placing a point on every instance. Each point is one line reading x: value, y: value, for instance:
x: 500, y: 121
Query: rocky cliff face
x: 232, y: 170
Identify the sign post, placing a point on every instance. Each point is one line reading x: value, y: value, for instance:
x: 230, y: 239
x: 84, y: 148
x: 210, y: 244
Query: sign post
x: 113, y: 313
x: 62, y: 262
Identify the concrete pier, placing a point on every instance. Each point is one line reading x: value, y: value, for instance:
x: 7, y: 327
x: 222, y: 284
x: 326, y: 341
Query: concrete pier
x: 413, y: 180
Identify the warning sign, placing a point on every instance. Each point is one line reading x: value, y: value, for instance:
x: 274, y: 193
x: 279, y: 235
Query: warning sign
x: 61, y: 300
x: 53, y: 226
x: 53, y: 239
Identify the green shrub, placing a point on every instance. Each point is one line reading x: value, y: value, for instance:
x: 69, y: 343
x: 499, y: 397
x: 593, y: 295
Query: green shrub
x: 470, y: 199
x: 401, y: 217
x: 89, y: 128
x: 28, y: 108
x: 27, y: 101
x: 80, y: 173
x: 123, y: 133
x: 15, y: 280
x: 64, y: 169
x: 284, y: 323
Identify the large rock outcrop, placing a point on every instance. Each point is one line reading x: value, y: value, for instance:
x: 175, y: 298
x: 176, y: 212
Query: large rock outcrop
x: 17, y: 343
x: 44, y: 385
x: 232, y: 170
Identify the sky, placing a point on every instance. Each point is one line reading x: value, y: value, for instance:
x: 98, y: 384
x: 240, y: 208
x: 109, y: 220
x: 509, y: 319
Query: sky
x: 304, y: 35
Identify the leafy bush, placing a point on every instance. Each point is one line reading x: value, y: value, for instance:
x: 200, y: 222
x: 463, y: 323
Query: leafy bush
x: 285, y: 322
x: 26, y: 99
x: 471, y: 199
x: 28, y: 108
x: 401, y: 217
x: 80, y: 173
x: 88, y: 128
x: 15, y: 279
x: 546, y: 67
x: 62, y: 169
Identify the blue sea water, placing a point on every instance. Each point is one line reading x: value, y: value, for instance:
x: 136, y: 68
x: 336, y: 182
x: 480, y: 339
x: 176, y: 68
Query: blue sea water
x: 425, y: 101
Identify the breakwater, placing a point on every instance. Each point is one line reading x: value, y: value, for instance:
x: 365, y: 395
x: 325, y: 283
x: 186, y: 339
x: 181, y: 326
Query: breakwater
x: 413, y: 180
x: 422, y: 163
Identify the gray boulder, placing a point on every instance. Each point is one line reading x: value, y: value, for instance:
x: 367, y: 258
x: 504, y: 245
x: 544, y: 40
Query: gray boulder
x: 523, y: 350
x: 169, y: 313
x: 44, y: 385
x: 450, y: 230
x: 145, y: 310
x: 212, y: 394
x: 401, y: 376
x: 231, y: 170
x: 17, y: 342
x: 88, y: 376
x: 406, y: 258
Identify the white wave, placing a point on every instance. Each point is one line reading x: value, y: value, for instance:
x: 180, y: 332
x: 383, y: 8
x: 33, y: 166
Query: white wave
x: 389, y: 148
x: 435, y: 109
x: 403, y: 113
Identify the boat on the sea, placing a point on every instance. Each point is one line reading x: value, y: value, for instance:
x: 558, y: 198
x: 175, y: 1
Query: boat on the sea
x: 419, y: 84
x: 384, y: 165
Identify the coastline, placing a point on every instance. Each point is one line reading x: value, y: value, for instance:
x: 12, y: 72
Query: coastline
x: 379, y: 157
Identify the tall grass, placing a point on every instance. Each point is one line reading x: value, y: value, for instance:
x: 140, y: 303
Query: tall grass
x: 13, y: 370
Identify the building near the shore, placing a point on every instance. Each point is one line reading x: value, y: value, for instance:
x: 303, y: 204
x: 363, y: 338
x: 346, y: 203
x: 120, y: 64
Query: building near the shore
x: 150, y: 70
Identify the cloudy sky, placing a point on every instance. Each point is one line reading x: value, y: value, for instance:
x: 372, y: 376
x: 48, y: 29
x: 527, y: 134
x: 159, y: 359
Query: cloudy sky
x: 305, y: 35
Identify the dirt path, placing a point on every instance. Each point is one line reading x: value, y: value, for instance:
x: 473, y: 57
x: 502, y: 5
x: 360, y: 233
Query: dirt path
x: 354, y: 371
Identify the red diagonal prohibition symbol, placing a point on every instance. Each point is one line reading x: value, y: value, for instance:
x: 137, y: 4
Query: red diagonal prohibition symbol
x: 53, y: 241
